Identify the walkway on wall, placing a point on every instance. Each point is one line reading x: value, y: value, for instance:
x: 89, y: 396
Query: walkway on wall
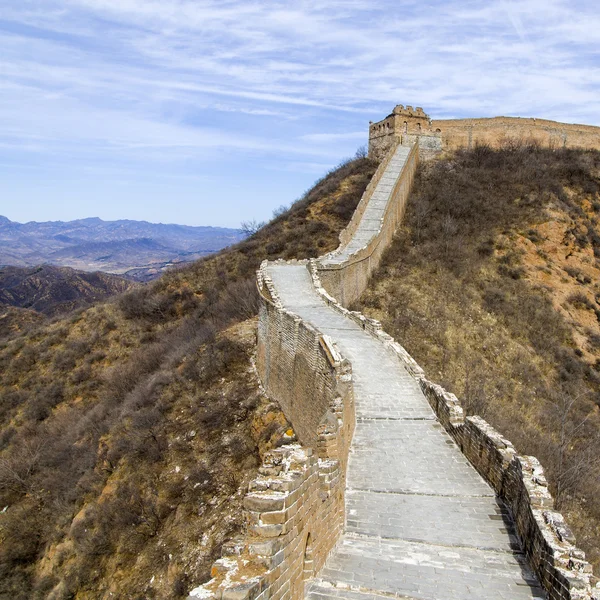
x: 374, y: 212
x: 421, y: 523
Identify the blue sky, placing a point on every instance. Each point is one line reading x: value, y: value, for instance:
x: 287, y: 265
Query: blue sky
x: 210, y: 113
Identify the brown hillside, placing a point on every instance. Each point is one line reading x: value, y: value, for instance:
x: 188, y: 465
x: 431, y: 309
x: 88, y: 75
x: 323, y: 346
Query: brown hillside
x: 493, y: 286
x: 128, y: 431
x: 14, y: 321
x: 53, y: 290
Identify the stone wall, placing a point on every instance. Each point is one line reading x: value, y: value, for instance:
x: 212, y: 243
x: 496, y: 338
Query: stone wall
x: 348, y: 280
x: 408, y: 126
x: 295, y: 513
x: 466, y: 133
x: 518, y: 480
x: 301, y: 369
x: 295, y: 508
x: 382, y: 137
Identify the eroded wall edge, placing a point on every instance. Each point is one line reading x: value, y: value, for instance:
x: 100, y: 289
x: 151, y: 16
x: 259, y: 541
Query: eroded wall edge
x: 295, y: 508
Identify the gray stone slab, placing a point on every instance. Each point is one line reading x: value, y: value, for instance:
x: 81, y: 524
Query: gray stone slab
x: 426, y: 571
x: 446, y: 520
x: 410, y: 456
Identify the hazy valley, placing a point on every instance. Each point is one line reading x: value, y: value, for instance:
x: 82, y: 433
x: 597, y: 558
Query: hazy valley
x: 53, y: 290
x: 136, y: 249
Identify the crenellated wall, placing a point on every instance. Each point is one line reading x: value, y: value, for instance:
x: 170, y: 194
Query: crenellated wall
x: 409, y: 126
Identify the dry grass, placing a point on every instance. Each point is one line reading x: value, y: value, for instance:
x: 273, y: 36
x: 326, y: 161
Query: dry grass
x: 491, y: 285
x: 128, y: 431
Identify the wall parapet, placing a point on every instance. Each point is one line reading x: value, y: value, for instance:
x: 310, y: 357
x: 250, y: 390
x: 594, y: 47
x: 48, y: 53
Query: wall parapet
x: 547, y: 541
x: 347, y: 280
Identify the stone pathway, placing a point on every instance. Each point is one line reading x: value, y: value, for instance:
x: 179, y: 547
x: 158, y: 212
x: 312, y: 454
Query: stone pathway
x: 421, y: 523
x: 371, y: 218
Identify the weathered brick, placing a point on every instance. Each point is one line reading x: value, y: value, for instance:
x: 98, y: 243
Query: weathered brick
x: 264, y: 502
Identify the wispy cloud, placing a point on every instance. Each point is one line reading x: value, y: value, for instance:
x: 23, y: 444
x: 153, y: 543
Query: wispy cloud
x: 194, y: 86
x: 333, y: 137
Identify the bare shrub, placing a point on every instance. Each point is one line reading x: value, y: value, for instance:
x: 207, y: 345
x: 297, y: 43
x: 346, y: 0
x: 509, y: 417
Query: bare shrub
x: 241, y: 300
x: 251, y: 227
x: 141, y: 303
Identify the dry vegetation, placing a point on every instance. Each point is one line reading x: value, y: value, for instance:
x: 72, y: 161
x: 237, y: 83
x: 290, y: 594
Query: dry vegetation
x: 14, y: 321
x: 129, y: 431
x: 52, y: 291
x: 493, y: 285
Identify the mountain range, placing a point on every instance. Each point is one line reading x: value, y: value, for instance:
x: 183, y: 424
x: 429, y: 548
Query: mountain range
x: 137, y: 249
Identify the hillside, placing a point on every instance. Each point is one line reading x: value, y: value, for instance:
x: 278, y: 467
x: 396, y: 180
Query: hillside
x: 16, y: 320
x: 492, y: 285
x: 129, y: 431
x: 53, y: 290
x: 139, y: 249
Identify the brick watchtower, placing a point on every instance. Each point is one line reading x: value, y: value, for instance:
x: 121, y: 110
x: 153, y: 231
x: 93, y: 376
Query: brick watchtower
x: 409, y: 125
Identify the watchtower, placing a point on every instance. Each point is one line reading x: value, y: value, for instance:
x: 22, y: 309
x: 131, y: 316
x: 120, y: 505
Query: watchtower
x: 408, y: 125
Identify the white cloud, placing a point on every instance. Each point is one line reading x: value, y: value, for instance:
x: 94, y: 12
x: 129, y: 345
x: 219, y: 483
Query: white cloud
x: 333, y: 137
x: 291, y: 81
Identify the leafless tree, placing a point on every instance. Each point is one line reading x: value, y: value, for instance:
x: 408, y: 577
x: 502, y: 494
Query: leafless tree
x: 361, y: 152
x: 572, y: 458
x: 251, y: 227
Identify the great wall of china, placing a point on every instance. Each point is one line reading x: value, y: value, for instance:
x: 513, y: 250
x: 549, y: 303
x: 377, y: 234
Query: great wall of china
x: 389, y: 491
x: 408, y: 125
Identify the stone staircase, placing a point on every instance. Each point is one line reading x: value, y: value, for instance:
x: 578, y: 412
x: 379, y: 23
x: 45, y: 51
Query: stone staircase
x: 420, y: 522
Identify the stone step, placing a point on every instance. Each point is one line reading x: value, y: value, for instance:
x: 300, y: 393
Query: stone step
x: 475, y: 522
x: 428, y: 571
x: 324, y: 590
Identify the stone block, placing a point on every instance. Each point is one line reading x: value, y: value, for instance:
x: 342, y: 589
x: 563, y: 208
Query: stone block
x: 264, y: 547
x: 274, y: 518
x: 267, y: 531
x: 265, y: 502
x: 242, y: 591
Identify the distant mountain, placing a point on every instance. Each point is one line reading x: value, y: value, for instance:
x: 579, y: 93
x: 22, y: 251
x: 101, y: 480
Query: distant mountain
x: 137, y: 249
x: 52, y: 290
